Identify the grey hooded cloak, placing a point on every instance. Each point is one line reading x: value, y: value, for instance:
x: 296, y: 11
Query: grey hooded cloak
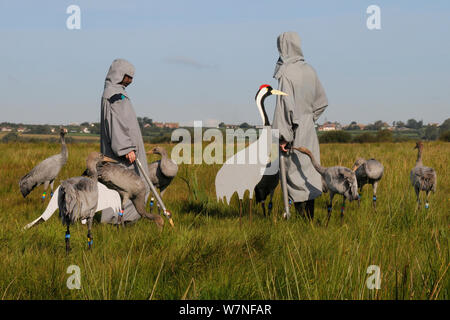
x: 295, y: 115
x: 119, y: 130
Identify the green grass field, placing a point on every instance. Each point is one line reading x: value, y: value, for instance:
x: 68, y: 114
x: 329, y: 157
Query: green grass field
x: 210, y: 255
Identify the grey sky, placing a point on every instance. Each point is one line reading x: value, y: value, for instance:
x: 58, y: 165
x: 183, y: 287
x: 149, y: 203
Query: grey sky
x: 204, y: 60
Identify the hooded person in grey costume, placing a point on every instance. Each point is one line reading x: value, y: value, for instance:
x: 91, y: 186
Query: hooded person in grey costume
x: 120, y: 135
x: 295, y: 115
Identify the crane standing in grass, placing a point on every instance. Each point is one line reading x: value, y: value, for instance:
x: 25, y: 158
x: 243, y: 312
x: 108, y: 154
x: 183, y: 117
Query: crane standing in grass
x: 422, y: 178
x: 368, y: 172
x: 46, y: 171
x: 78, y: 197
x: 339, y: 180
x: 161, y: 172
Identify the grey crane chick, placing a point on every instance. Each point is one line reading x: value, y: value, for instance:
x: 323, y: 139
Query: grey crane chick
x: 161, y: 172
x: 422, y: 178
x: 78, y: 197
x: 46, y: 171
x: 368, y: 172
x: 338, y: 180
x: 129, y: 185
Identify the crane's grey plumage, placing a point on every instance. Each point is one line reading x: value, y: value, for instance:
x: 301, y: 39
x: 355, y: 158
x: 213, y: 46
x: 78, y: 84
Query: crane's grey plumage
x: 162, y: 172
x: 368, y: 172
x: 338, y: 180
x: 422, y: 178
x: 46, y: 171
x: 129, y: 185
x: 78, y: 197
x: 107, y: 198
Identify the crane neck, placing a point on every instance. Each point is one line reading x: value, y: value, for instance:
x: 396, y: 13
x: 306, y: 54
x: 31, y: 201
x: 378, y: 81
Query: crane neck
x: 92, y: 170
x: 64, y: 150
x: 314, y: 162
x: 419, y: 162
x: 262, y: 110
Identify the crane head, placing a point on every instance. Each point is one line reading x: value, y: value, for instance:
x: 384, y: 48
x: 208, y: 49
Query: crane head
x: 264, y: 91
x: 359, y: 162
x: 157, y: 150
x: 419, y: 145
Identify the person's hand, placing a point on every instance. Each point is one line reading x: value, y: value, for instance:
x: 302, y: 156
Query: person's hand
x: 131, y: 156
x: 283, y: 146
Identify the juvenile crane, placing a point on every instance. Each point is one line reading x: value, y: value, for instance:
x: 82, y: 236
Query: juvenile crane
x: 338, y: 180
x: 78, y: 197
x: 161, y: 172
x: 422, y: 178
x: 368, y: 172
x: 46, y: 171
x: 130, y: 186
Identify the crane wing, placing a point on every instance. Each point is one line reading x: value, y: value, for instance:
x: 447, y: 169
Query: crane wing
x: 107, y: 198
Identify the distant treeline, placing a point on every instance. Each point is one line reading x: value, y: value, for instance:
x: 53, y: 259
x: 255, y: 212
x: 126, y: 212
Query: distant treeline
x: 378, y: 136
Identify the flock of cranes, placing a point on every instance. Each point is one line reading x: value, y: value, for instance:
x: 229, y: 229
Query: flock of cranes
x: 108, y: 184
x: 104, y: 184
x: 335, y: 180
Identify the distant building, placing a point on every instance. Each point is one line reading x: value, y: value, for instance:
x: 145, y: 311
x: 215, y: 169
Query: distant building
x: 21, y: 129
x: 85, y: 130
x: 6, y: 129
x: 171, y: 125
x: 52, y: 130
x: 147, y: 125
x: 330, y: 126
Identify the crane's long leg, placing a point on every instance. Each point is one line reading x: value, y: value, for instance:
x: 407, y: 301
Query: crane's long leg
x: 374, y: 199
x: 67, y: 237
x: 329, y: 208
x: 270, y: 202
x: 152, y: 203
x: 359, y: 197
x: 45, y: 190
x: 89, y: 235
x: 418, y: 197
x: 51, y: 188
x: 342, y: 209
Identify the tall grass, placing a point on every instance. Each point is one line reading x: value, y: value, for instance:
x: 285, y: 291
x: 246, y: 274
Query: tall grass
x: 210, y: 255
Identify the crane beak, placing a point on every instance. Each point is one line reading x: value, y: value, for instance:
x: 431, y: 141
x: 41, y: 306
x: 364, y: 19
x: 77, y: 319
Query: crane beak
x: 354, y: 168
x: 150, y: 152
x: 171, y: 222
x: 107, y: 159
x: 278, y: 92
